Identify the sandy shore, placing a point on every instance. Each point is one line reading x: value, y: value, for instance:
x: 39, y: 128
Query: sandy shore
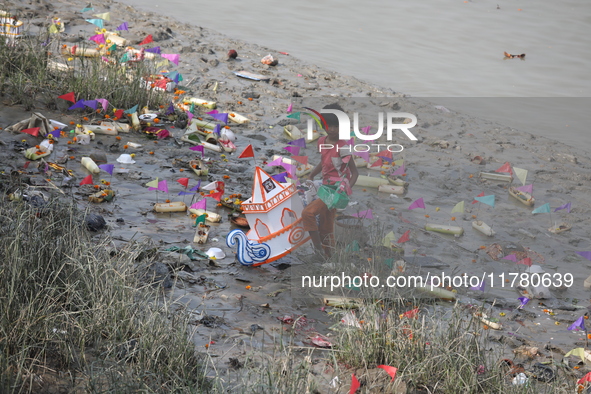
x: 439, y: 167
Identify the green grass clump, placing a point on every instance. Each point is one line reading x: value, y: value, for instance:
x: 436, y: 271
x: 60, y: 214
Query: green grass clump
x: 73, y: 313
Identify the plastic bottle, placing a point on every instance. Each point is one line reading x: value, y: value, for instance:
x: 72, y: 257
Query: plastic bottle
x: 90, y: 165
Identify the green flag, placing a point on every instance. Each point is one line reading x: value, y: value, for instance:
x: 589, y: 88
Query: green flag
x: 153, y: 183
x: 458, y: 208
x: 200, y: 219
x: 124, y: 58
x: 295, y: 115
x: 389, y: 239
x: 543, y: 209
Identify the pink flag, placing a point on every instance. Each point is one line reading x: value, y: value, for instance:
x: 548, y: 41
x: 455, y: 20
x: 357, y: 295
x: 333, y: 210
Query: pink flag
x: 290, y: 168
x: 505, y: 168
x: 377, y: 163
x: 201, y: 204
x: 189, y: 115
x: 172, y: 57
x: 301, y: 159
x: 183, y: 181
x: 417, y: 204
x: 526, y: 189
x: 163, y: 186
x: 511, y: 257
x: 99, y: 38
x: 399, y: 171
x: 363, y: 155
x: 364, y: 214
x: 405, y: 237
x: 277, y: 162
x: 290, y: 107
x: 525, y: 261
x: 198, y: 148
x: 476, y: 201
x: 294, y: 150
x: 366, y: 130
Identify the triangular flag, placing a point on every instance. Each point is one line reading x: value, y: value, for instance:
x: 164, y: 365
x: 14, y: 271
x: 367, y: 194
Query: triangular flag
x: 107, y: 168
x: 566, y: 206
x: 153, y: 184
x: 526, y: 261
x: 398, y: 162
x: 104, y: 103
x: 405, y: 237
x: 200, y: 219
x: 201, y: 204
x: 586, y: 255
x: 216, y: 196
x: 377, y: 163
x: 97, y: 22
x: 579, y: 324
x: 198, y: 148
x: 363, y: 155
x: 53, y: 29
x: 364, y: 214
x: 91, y: 104
x: 505, y: 168
x: 184, y: 182
x: 87, y: 181
x: 98, y: 38
x: 217, y: 129
x: 68, y: 97
x: 488, y: 200
x: 511, y: 257
x: 280, y: 177
x: 385, y: 154
x: 79, y: 104
x: 123, y: 26
x: 221, y: 117
x: 586, y: 378
x: 526, y: 189
x: 119, y: 113
x: 521, y: 174
x: 183, y: 193
x: 105, y: 15
x: 189, y: 115
x: 301, y: 159
x: 88, y: 8
x: 170, y: 109
x: 543, y: 209
x: 290, y: 168
x: 458, y: 208
x: 354, y: 385
x: 294, y: 150
x: 172, y: 57
x: 131, y: 110
x: 388, y: 239
x: 196, y: 187
x: 579, y: 352
x: 147, y: 40
x: 174, y: 75
x: 390, y: 370
x: 112, y: 47
x: 480, y: 195
x: 366, y: 129
x: 157, y: 51
x: 56, y: 133
x: 124, y: 58
x: 417, y: 204
x: 33, y: 131
x: 412, y: 314
x: 277, y: 162
x: 300, y: 142
x: 289, y: 107
x: 295, y: 115
x: 247, y: 152
x: 163, y: 186
x: 399, y: 171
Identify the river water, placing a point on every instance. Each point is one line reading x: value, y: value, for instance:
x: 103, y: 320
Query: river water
x: 432, y: 48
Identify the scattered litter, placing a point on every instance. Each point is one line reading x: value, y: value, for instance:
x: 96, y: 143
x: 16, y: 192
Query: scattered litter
x: 249, y: 75
x: 125, y: 159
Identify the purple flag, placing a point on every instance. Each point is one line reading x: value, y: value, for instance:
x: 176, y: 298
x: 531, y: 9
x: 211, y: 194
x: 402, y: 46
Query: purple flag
x: 480, y: 287
x: 56, y: 133
x: 294, y: 150
x: 201, y: 204
x: 523, y: 301
x: 91, y: 103
x: 280, y: 177
x: 170, y: 109
x: 300, y: 142
x: 123, y: 26
x: 163, y: 186
x: 185, y: 194
x: 189, y: 115
x: 579, y: 324
x: 586, y: 255
x: 215, y: 111
x: 79, y: 104
x: 196, y: 187
x: 291, y: 169
x: 526, y: 189
x: 223, y: 117
x: 107, y: 168
x: 155, y: 50
x: 399, y: 171
x: 417, y: 204
x: 172, y: 57
x: 276, y: 162
x: 511, y: 257
x: 366, y: 130
x: 217, y: 129
x: 565, y: 206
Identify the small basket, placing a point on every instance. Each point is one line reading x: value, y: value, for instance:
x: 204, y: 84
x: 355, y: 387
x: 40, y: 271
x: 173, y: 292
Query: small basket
x: 330, y: 195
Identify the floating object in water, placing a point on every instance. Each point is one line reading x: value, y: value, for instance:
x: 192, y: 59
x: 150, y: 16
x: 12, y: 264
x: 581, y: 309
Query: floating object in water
x: 198, y: 167
x: 509, y: 56
x: 177, y: 206
x: 440, y: 228
x: 368, y: 181
x: 485, y: 320
x: 200, y: 102
x: 90, y: 165
x: 496, y: 177
x: 104, y: 195
x: 125, y: 159
x: 215, y: 253
x: 240, y: 221
x: 210, y: 216
x: 559, y: 228
x: 237, y: 118
x: 201, y: 233
x: 391, y: 189
x: 249, y: 75
x: 397, y: 181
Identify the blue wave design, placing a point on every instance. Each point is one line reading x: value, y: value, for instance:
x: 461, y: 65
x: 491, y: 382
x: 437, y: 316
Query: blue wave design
x: 248, y: 252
